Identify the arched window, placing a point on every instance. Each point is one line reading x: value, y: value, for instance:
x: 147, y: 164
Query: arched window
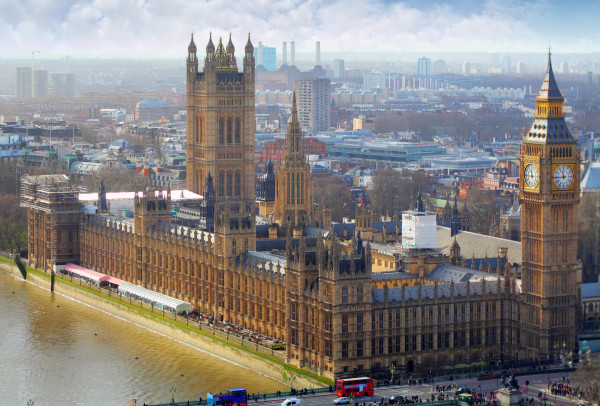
x: 229, y: 130
x: 238, y: 125
x: 344, y: 294
x: 237, y: 183
x: 221, y: 130
x: 197, y: 129
x: 229, y: 183
x: 199, y: 179
x: 221, y: 184
x: 200, y: 130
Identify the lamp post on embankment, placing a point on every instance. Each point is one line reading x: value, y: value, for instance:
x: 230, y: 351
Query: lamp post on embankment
x: 173, y: 390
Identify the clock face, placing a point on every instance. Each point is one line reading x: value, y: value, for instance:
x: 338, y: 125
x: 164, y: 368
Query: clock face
x: 563, y: 176
x: 532, y: 176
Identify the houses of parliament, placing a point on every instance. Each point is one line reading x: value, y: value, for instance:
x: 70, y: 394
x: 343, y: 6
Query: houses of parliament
x: 304, y: 283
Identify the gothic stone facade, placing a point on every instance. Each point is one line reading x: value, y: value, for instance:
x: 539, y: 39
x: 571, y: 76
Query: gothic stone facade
x: 321, y: 297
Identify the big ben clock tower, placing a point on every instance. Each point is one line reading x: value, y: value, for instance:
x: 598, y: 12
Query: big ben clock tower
x: 549, y: 188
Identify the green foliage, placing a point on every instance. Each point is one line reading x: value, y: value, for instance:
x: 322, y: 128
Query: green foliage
x: 13, y: 223
x: 278, y: 346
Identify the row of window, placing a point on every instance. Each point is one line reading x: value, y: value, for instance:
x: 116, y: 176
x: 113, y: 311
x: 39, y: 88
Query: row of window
x: 229, y: 183
x: 229, y: 130
x: 423, y: 342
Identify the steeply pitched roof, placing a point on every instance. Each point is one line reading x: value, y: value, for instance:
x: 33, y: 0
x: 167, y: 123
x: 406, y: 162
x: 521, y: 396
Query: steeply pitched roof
x: 478, y: 245
x: 591, y: 178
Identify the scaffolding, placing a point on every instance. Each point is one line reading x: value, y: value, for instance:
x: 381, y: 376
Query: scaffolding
x: 55, y: 212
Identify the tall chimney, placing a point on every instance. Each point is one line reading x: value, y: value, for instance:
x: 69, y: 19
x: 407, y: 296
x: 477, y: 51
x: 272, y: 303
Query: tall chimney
x: 284, y: 61
x: 293, y: 53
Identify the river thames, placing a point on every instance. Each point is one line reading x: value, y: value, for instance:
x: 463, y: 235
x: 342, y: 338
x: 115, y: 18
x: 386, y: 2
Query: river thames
x: 57, y: 351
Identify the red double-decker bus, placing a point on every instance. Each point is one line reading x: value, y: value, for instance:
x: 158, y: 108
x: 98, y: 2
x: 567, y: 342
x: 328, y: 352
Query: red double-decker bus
x: 354, y: 387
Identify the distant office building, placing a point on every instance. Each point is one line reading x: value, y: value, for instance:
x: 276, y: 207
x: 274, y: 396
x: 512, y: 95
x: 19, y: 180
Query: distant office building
x: 284, y: 56
x: 313, y: 104
x: 338, y: 69
x: 293, y: 53
x: 466, y: 68
x: 563, y: 67
x: 151, y: 110
x: 439, y: 67
x: 61, y: 84
x: 520, y: 67
x: 424, y: 67
x: 266, y: 56
x: 40, y: 83
x: 506, y: 64
x: 23, y: 88
x: 318, y: 54
x: 374, y: 80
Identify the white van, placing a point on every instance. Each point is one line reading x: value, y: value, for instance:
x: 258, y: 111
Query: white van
x: 290, y: 402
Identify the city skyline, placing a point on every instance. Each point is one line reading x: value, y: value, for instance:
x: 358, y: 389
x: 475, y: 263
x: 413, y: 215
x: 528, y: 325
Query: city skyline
x: 95, y: 28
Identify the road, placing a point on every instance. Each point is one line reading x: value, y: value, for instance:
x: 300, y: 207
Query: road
x: 537, y: 383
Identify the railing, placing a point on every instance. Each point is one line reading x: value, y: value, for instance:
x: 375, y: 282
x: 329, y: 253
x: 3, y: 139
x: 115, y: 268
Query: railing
x: 287, y: 394
x: 283, y: 395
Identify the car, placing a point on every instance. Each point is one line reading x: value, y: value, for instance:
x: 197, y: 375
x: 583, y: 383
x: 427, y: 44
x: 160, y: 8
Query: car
x: 291, y: 402
x: 341, y: 401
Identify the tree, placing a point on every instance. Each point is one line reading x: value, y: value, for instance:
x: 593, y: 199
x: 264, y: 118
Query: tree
x: 393, y: 193
x: 13, y: 223
x: 484, y: 209
x: 588, y: 377
x: 589, y: 235
x: 333, y: 193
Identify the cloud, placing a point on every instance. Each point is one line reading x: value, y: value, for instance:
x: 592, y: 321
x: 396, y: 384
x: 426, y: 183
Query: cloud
x: 162, y: 27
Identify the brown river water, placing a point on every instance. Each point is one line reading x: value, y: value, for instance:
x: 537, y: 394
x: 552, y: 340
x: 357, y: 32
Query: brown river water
x: 58, y: 351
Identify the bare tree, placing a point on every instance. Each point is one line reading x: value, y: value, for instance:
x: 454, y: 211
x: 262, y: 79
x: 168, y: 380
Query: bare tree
x: 394, y: 193
x: 587, y: 379
x: 589, y: 235
x: 333, y: 193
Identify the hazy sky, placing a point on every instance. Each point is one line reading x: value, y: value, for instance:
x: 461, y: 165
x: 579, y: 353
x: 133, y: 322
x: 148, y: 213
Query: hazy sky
x: 162, y: 27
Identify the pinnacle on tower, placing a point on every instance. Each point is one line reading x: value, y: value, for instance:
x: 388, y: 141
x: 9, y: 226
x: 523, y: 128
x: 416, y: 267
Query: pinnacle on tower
x: 249, y: 47
x: 549, y: 89
x: 230, y: 47
x: 192, y: 47
x: 210, y: 47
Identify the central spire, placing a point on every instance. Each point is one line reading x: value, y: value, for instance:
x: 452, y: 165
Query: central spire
x: 294, y: 154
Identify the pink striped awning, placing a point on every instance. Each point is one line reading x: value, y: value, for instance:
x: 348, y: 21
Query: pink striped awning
x: 86, y: 273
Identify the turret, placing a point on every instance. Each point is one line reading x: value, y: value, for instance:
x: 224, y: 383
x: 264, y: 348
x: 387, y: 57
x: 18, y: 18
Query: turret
x: 210, y: 53
x: 455, y: 221
x: 192, y: 59
x: 248, y: 57
x: 231, y: 52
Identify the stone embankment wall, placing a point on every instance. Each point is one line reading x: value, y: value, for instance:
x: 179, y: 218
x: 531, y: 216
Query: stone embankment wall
x: 165, y: 326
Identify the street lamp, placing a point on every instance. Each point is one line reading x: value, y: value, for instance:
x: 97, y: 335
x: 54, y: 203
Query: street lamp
x: 172, y: 390
x: 392, y: 370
